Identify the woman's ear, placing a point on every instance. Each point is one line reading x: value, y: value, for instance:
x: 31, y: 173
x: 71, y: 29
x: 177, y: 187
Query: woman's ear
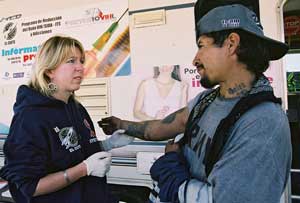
x: 233, y: 42
x: 50, y: 74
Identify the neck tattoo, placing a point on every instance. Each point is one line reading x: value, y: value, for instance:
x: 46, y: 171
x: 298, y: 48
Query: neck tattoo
x: 238, y: 90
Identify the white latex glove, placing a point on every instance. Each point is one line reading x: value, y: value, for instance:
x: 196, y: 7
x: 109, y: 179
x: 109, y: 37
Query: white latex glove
x: 98, y: 164
x: 117, y: 139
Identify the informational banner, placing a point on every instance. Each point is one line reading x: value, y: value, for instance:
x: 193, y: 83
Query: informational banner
x: 102, y: 28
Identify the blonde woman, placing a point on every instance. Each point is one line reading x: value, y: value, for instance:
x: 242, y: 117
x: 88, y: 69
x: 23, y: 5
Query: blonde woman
x: 52, y: 153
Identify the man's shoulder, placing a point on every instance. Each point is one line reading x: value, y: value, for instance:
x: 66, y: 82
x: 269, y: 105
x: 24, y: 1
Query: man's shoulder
x: 267, y: 110
x: 266, y: 117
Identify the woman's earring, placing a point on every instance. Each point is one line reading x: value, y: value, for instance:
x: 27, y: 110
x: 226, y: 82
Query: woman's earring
x: 52, y: 87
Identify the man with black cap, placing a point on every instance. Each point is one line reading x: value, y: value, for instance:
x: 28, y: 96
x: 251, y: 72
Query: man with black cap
x: 236, y: 146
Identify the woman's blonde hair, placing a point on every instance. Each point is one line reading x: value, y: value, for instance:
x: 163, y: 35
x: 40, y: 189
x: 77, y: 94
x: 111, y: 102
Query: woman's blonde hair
x: 51, y: 54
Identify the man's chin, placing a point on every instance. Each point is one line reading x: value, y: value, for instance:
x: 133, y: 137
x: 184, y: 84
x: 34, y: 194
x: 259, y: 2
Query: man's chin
x: 206, y: 83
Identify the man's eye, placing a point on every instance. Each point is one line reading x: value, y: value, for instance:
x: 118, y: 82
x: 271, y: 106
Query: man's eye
x: 200, y: 46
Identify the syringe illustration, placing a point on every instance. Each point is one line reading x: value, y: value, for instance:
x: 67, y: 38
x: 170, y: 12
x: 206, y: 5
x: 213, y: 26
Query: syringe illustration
x: 92, y: 56
x: 116, y: 55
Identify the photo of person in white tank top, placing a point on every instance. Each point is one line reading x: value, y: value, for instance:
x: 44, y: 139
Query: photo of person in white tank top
x: 160, y: 95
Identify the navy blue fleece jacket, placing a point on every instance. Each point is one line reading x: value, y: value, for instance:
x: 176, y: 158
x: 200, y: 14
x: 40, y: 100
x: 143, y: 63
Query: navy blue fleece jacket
x: 46, y: 136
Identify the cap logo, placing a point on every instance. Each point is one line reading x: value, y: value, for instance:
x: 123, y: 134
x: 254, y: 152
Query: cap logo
x: 234, y: 22
x: 256, y: 20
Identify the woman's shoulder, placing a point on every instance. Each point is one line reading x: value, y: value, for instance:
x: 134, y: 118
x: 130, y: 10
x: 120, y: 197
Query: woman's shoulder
x: 33, y: 115
x: 147, y: 82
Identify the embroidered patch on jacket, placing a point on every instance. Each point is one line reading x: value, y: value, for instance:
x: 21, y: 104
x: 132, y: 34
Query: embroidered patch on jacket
x: 88, y: 126
x: 69, y: 138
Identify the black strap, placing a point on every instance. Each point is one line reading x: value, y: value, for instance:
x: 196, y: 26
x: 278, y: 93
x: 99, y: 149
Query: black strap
x: 223, y: 130
x: 196, y: 113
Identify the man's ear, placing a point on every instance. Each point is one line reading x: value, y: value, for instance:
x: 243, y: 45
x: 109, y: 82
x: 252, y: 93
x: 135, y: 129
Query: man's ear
x: 233, y: 41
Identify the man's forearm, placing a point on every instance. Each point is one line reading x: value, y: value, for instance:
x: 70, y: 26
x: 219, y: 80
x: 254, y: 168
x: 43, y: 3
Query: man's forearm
x: 139, y: 130
x: 157, y: 130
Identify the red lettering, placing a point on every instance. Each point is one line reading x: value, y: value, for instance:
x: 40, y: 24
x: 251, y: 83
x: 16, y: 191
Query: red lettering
x: 195, y: 82
x: 27, y: 57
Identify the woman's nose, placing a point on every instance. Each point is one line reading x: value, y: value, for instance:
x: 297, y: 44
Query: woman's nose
x: 79, y: 67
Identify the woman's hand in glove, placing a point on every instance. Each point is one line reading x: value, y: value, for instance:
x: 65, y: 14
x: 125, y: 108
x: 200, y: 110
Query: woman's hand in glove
x: 98, y: 164
x: 117, y: 139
